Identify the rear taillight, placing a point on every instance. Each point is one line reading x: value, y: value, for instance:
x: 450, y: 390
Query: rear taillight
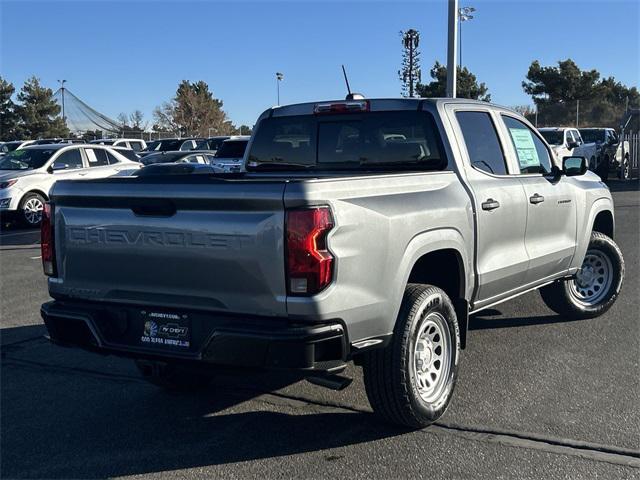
x: 47, y: 240
x: 309, y: 261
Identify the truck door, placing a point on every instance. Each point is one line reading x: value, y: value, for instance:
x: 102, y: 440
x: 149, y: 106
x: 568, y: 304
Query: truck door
x: 550, y: 237
x: 499, y: 202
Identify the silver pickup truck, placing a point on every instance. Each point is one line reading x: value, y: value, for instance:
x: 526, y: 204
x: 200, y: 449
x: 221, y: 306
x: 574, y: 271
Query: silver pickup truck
x: 364, y: 230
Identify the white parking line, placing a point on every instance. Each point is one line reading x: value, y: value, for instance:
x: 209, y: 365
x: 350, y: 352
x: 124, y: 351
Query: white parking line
x: 13, y: 234
x: 36, y: 258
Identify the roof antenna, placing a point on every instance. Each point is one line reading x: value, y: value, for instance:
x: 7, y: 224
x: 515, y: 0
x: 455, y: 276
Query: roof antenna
x: 350, y: 96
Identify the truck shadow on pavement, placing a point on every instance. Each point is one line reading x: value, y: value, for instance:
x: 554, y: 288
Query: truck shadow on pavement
x: 489, y: 319
x: 71, y: 414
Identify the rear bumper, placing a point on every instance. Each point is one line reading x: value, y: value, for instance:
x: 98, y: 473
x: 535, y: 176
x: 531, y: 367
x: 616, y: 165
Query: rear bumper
x: 255, y: 342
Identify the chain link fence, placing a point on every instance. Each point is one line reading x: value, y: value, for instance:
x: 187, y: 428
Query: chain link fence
x: 579, y: 114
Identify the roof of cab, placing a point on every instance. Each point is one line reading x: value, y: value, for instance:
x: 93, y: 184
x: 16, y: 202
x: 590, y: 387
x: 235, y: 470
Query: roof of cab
x: 375, y: 104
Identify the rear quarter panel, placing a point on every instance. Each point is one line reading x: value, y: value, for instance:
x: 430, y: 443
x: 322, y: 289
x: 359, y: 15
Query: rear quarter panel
x: 384, y: 224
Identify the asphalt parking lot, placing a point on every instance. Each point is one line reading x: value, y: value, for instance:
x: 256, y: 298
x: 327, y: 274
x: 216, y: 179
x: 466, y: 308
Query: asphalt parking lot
x: 537, y: 397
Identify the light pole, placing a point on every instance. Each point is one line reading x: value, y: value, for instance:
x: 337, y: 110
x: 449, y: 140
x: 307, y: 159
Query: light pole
x: 279, y: 77
x: 452, y: 44
x: 464, y: 14
x: 62, y: 82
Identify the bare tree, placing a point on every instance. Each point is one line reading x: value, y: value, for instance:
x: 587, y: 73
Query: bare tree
x: 137, y: 118
x: 123, y: 120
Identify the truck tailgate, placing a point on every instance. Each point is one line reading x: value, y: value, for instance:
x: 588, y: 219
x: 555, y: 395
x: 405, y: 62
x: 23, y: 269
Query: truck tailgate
x: 204, y: 243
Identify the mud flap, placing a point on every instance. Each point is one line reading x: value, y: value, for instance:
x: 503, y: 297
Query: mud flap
x: 462, y: 312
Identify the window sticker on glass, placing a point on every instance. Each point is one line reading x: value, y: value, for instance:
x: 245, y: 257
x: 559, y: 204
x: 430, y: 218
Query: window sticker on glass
x: 91, y: 155
x: 526, y: 149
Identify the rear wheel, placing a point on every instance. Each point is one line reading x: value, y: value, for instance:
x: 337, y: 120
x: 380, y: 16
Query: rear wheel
x: 595, y: 287
x: 31, y: 208
x: 411, y: 381
x: 173, y: 376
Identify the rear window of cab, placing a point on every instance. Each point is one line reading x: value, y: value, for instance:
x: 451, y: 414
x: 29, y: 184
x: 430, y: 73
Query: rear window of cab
x: 401, y: 139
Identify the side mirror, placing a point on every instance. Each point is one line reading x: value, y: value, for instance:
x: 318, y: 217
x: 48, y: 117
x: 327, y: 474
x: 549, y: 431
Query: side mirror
x: 573, y: 166
x: 56, y: 167
x: 572, y: 145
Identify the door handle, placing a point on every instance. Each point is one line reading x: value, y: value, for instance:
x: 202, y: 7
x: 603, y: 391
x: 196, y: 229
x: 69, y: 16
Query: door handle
x: 536, y: 199
x: 490, y: 204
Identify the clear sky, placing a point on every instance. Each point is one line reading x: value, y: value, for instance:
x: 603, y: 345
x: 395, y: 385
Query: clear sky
x: 122, y: 56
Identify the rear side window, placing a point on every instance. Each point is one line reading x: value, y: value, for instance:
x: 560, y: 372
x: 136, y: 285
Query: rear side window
x: 481, y: 139
x: 135, y: 146
x: 112, y: 158
x: 533, y: 156
x: 97, y: 157
x: 350, y: 141
x: 129, y: 154
x: 188, y: 145
x: 232, y: 149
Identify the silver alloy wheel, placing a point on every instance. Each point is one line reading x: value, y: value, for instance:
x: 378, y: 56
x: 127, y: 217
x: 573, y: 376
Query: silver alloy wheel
x: 32, y: 210
x: 432, y: 357
x: 593, y: 281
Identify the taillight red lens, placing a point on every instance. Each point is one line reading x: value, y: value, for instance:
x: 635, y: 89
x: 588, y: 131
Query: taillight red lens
x: 47, y: 240
x: 309, y: 261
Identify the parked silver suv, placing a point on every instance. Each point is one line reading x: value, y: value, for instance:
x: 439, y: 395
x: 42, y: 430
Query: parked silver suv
x: 27, y: 174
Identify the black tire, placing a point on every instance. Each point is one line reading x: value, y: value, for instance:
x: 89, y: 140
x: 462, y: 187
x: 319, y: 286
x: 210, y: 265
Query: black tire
x: 390, y: 374
x: 603, y: 169
x: 564, y: 297
x: 27, y: 215
x: 173, y: 377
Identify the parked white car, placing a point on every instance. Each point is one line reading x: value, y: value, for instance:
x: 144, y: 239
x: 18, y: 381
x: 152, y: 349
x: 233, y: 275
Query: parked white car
x: 230, y: 155
x: 27, y: 174
x: 135, y: 144
x: 7, y: 147
x: 567, y: 142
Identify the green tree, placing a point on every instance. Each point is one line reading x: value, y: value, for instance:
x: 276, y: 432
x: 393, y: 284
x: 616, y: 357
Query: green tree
x: 244, y: 130
x: 467, y: 85
x: 193, y: 111
x: 565, y: 94
x: 8, y: 116
x: 38, y: 112
x: 563, y: 83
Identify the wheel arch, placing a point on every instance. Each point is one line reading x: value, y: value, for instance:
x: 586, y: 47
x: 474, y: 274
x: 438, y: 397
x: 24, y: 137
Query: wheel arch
x: 441, y: 258
x: 601, y: 219
x: 430, y: 269
x: 34, y: 190
x: 604, y: 223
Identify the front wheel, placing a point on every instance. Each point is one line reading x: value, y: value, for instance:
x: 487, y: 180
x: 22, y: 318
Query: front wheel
x: 31, y: 208
x: 410, y: 382
x: 595, y: 287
